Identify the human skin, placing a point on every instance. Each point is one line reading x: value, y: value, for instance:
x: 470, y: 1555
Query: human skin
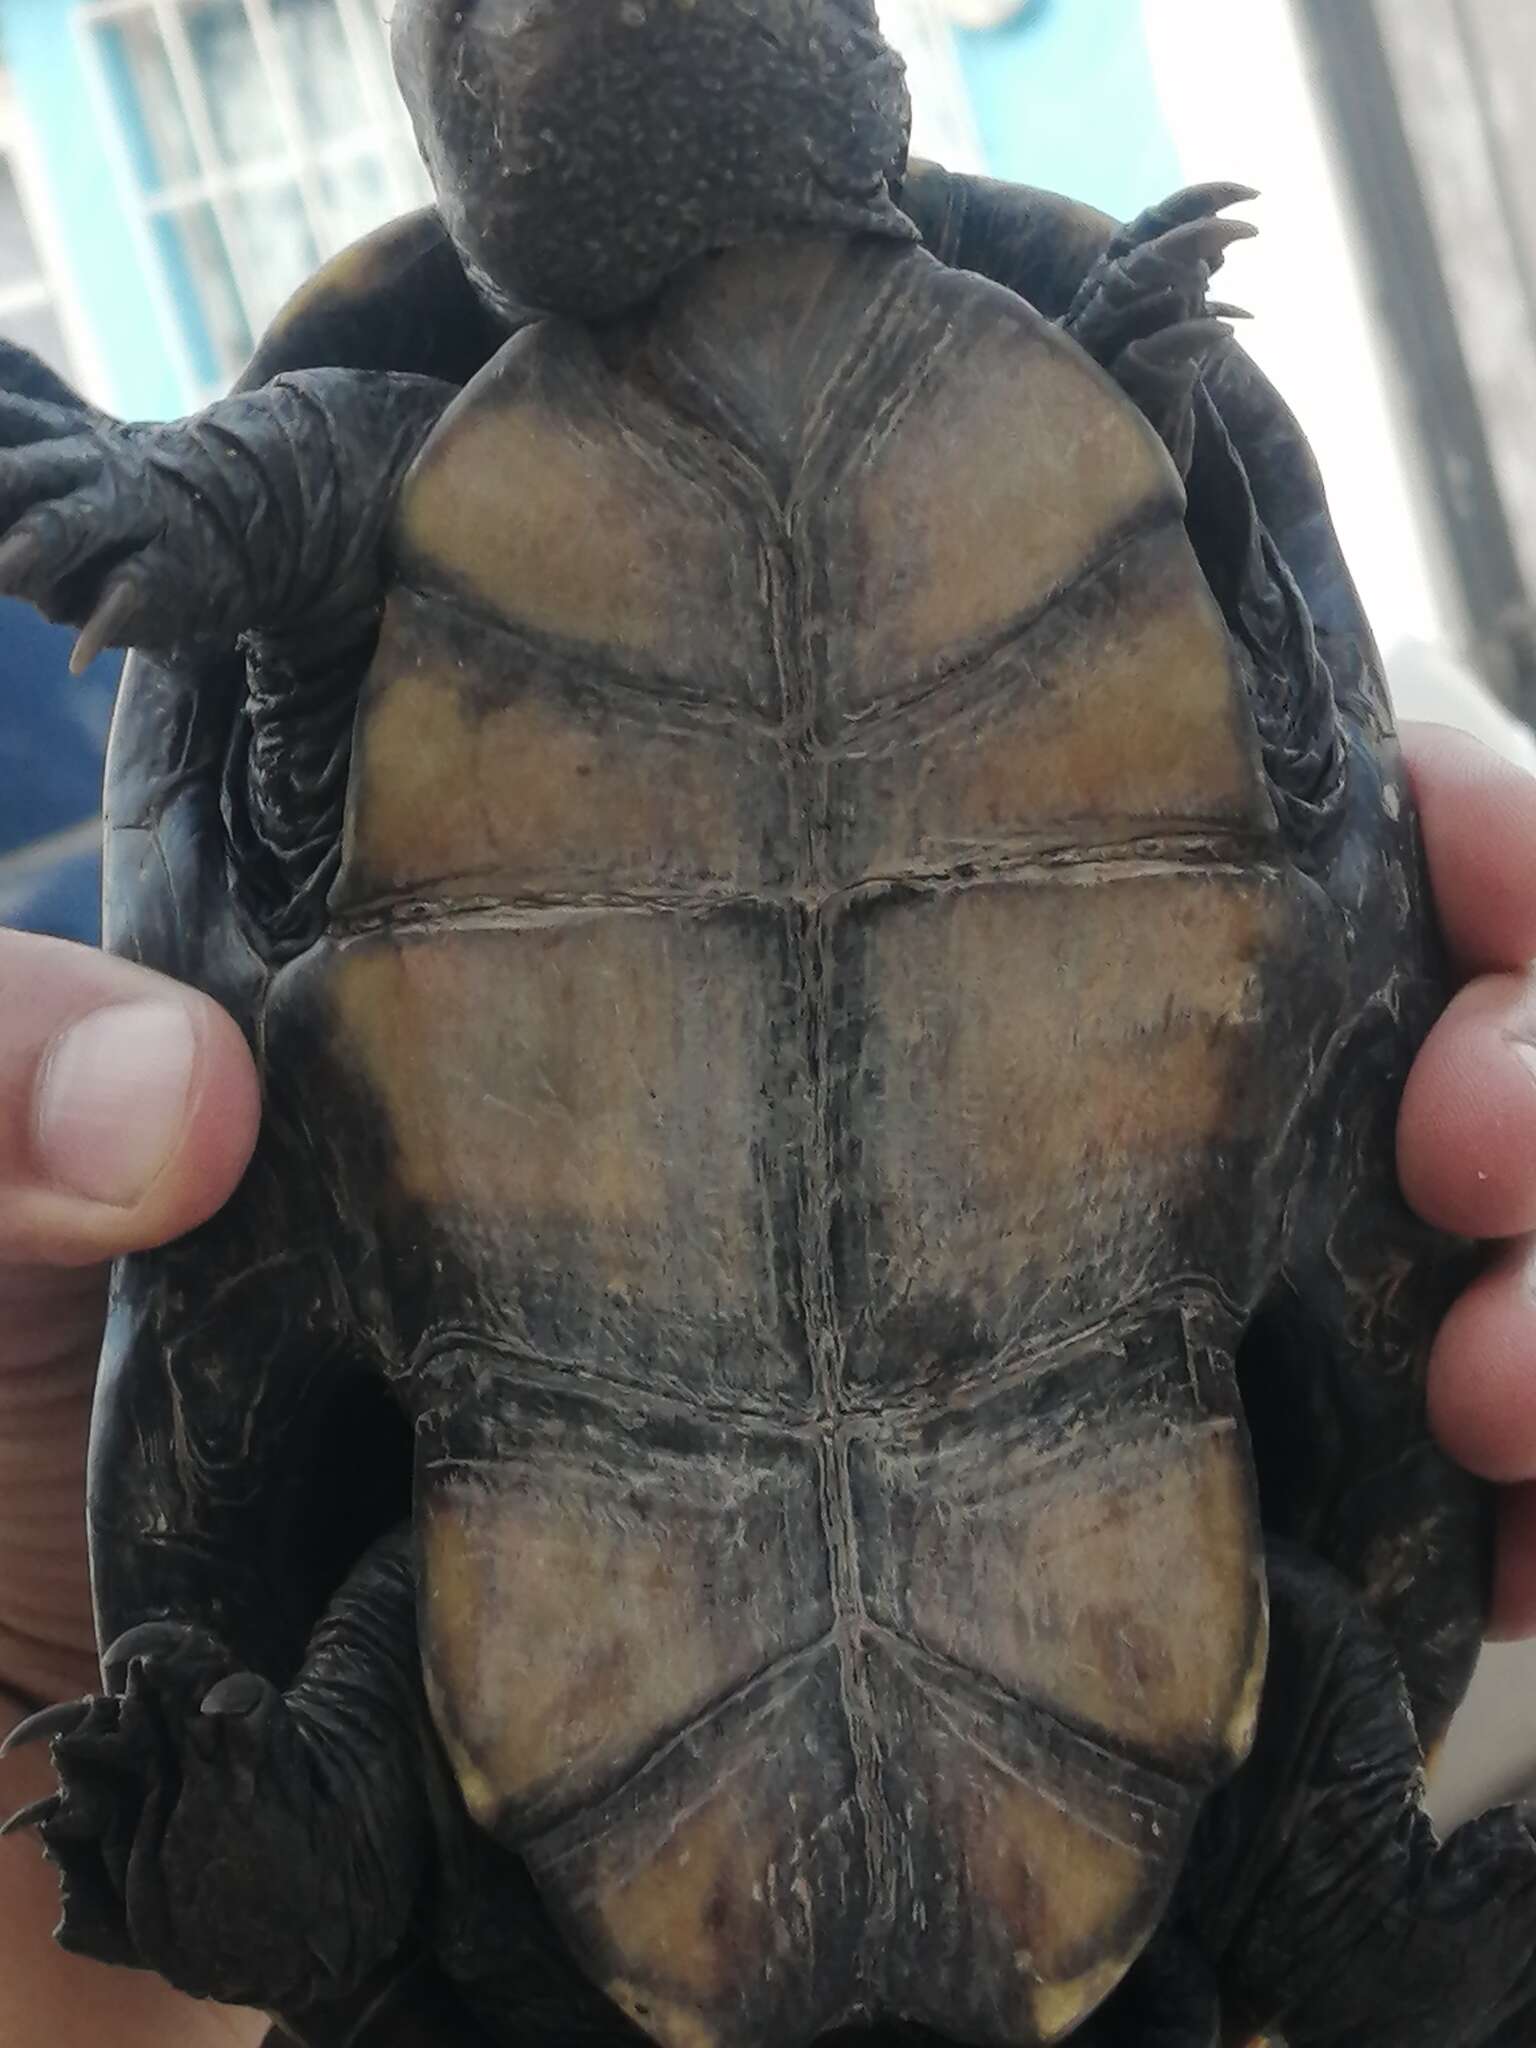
x: 119, y: 1152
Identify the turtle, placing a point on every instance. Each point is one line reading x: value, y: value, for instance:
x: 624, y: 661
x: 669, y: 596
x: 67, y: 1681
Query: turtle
x: 810, y: 1419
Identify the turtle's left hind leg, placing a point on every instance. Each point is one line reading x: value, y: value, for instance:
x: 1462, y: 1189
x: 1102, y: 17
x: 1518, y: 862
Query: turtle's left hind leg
x: 254, y: 1846
x: 1333, y: 1913
x: 1169, y: 2000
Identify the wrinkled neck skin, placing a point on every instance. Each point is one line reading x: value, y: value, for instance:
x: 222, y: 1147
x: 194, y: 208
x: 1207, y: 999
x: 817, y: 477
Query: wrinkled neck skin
x: 586, y: 151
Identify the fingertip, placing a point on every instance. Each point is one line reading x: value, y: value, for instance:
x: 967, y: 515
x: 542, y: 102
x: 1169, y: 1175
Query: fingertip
x: 1477, y: 810
x: 1482, y: 1373
x: 1466, y: 1133
x: 218, y: 1131
x: 128, y: 1105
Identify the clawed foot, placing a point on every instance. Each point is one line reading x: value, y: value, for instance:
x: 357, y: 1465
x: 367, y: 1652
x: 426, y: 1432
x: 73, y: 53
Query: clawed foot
x: 1143, y: 313
x: 25, y: 375
x: 84, y: 526
x: 177, y: 1794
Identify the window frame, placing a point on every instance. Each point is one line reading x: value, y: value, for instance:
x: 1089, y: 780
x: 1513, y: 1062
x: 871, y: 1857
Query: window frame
x: 1402, y: 90
x: 382, y: 132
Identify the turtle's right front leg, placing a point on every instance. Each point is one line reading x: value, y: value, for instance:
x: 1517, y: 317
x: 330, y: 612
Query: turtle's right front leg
x: 1143, y: 314
x: 263, y: 513
x: 256, y: 1846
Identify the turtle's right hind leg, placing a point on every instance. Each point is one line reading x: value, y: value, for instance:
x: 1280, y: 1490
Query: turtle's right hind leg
x: 251, y: 1845
x: 1333, y: 1913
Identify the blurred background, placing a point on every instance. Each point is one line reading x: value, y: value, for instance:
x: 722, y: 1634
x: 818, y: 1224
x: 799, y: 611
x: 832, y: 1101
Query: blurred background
x: 171, y: 169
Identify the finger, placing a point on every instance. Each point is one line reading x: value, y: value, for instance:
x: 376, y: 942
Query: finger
x: 128, y: 1105
x: 1482, y: 1385
x: 1479, y: 820
x: 1514, y: 1578
x: 1466, y: 1132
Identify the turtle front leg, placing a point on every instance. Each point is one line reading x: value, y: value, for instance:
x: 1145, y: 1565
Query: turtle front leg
x: 252, y: 1845
x: 1333, y: 1913
x: 265, y: 513
x: 1143, y: 314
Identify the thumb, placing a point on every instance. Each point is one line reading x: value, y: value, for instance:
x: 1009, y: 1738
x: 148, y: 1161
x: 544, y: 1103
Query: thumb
x: 128, y: 1105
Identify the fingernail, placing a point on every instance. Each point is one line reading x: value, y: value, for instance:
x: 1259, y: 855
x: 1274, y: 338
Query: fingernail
x: 111, y: 1099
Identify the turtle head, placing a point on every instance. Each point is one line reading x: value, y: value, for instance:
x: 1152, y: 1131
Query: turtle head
x: 585, y: 150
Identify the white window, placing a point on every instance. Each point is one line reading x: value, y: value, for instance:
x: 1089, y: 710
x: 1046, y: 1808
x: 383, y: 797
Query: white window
x: 31, y: 290
x: 259, y: 137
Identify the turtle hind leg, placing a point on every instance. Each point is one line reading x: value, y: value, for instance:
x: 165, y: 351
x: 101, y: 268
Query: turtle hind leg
x: 1168, y: 2000
x: 415, y: 2009
x: 1333, y: 1913
x: 253, y: 1846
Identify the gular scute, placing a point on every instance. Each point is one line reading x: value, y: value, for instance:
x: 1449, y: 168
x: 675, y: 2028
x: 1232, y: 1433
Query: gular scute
x: 827, y: 1099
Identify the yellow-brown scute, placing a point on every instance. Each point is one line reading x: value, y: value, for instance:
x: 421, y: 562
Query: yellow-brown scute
x: 817, y: 956
x: 456, y: 797
x: 964, y: 530
x: 664, y: 564
x: 1056, y: 740
x: 1103, y: 1588
x: 564, y: 1634
x: 1055, y: 1063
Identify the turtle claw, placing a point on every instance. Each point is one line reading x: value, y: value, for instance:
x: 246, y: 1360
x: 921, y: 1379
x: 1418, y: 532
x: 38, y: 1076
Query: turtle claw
x: 1194, y: 203
x: 1155, y: 273
x: 1143, y: 313
x: 20, y: 555
x: 1206, y: 240
x: 148, y: 1639
x: 44, y: 1725
x: 32, y: 1816
x: 116, y: 610
x: 1218, y: 196
x: 183, y: 1743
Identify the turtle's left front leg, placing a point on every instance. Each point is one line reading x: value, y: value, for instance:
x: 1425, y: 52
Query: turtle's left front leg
x: 254, y: 1845
x: 263, y: 513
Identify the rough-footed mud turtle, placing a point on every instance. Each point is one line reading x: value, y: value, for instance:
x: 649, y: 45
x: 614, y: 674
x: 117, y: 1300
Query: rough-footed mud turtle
x: 821, y: 1341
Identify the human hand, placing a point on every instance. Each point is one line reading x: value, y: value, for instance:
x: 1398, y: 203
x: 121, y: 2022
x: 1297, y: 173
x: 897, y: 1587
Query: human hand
x: 1467, y: 1133
x: 128, y: 1108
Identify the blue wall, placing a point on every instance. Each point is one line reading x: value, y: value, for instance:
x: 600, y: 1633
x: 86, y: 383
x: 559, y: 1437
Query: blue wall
x: 102, y: 251
x: 1064, y: 96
